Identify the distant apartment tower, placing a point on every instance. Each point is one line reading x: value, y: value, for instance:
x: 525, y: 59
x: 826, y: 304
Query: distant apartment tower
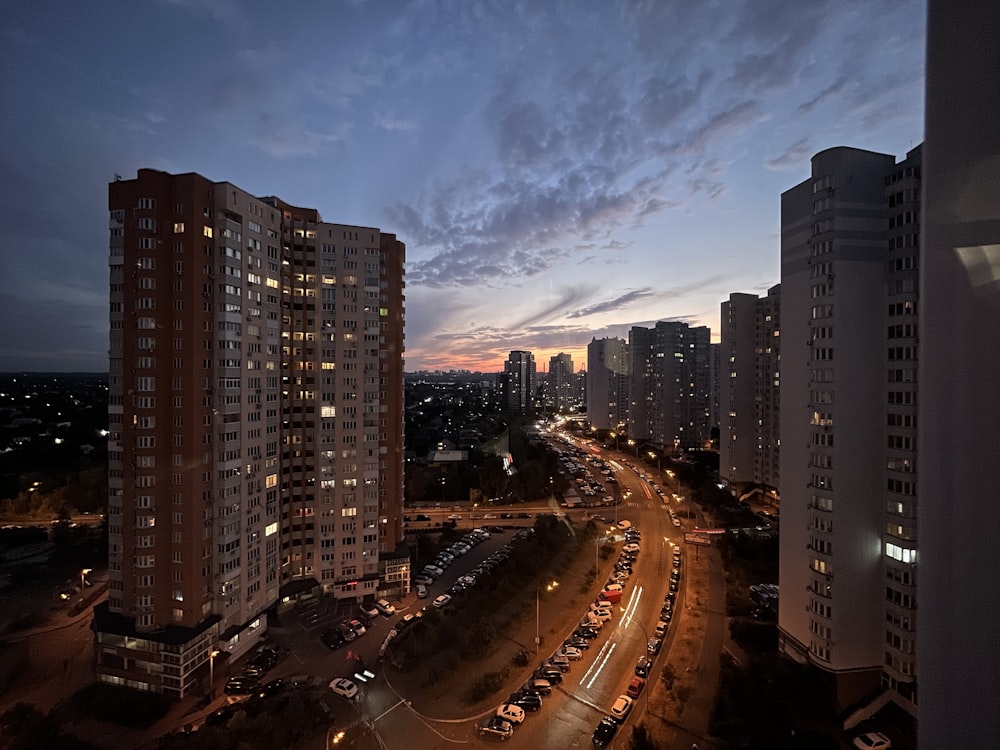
x: 959, y: 400
x: 562, y: 385
x: 715, y: 365
x: 748, y: 428
x: 670, y: 387
x: 767, y: 396
x: 607, y: 383
x: 518, y: 382
x: 848, y: 575
x: 255, y: 409
x: 640, y: 382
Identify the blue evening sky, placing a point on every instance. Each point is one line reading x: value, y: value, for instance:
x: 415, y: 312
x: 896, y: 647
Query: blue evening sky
x: 558, y: 170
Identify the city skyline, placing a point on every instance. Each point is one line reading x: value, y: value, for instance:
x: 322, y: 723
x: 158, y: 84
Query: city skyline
x: 558, y: 173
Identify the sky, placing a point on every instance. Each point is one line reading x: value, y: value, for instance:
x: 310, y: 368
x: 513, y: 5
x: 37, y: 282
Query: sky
x: 559, y: 171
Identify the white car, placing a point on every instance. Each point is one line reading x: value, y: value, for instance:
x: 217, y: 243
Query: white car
x: 383, y: 606
x: 872, y: 741
x: 601, y: 614
x: 344, y: 688
x: 623, y: 524
x: 621, y: 708
x: 630, y: 548
x: 570, y: 652
x: 510, y: 712
x: 442, y: 601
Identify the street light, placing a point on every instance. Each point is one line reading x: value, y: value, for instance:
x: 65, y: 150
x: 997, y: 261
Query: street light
x: 83, y: 578
x: 538, y: 630
x: 211, y: 673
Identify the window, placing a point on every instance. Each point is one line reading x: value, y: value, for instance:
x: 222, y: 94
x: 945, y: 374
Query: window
x: 207, y: 231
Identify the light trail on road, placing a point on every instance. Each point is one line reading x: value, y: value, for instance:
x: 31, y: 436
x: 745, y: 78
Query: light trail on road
x: 629, y: 611
x: 604, y: 661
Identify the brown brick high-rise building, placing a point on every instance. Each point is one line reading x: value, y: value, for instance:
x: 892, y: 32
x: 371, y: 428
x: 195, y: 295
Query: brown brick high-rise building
x: 255, y: 407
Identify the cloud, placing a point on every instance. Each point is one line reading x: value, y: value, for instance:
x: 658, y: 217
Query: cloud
x: 290, y: 141
x: 792, y: 157
x: 395, y: 124
x: 622, y: 300
x: 822, y: 97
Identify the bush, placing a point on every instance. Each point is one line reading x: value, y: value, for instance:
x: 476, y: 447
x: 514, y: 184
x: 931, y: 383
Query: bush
x: 487, y: 685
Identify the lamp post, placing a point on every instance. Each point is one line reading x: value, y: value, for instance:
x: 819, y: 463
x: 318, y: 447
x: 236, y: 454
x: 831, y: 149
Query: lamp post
x: 211, y: 673
x: 83, y: 578
x: 538, y: 630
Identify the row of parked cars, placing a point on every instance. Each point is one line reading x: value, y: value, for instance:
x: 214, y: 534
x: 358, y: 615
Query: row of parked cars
x: 528, y: 698
x: 262, y: 661
x: 605, y: 731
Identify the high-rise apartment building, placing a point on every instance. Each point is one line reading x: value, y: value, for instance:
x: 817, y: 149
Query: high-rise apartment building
x: 671, y: 365
x: 849, y: 237
x: 562, y: 384
x: 737, y: 426
x: 518, y: 382
x: 749, y: 402
x: 255, y: 408
x: 767, y: 395
x: 959, y: 594
x: 607, y: 383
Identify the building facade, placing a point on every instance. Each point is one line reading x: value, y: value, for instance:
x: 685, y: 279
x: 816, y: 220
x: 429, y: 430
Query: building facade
x: 749, y: 437
x: 518, y: 382
x: 562, y: 388
x: 607, y: 383
x: 255, y: 409
x: 959, y: 597
x: 849, y: 237
x: 671, y: 364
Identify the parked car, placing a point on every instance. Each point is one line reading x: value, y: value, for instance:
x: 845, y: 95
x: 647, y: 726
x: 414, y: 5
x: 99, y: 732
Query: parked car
x: 421, y: 591
x: 369, y: 610
x: 358, y: 627
x: 601, y: 614
x: 510, y: 712
x: 442, y: 601
x: 872, y: 741
x: 537, y: 686
x: 332, y: 639
x: 631, y: 548
x: 605, y: 731
x: 240, y: 686
x: 558, y: 661
x: 347, y: 631
x: 570, y: 652
x: 496, y: 727
x: 527, y: 701
x: 552, y: 674
x: 621, y: 707
x: 642, y: 666
x: 273, y: 687
x: 344, y: 688
x: 635, y: 686
x: 383, y: 606
x: 653, y: 646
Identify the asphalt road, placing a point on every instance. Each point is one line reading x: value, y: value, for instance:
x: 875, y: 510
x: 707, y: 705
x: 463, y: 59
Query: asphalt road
x: 569, y: 715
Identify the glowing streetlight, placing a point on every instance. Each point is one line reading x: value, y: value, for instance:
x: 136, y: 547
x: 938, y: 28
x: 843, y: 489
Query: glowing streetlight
x: 83, y: 578
x: 538, y: 631
x: 211, y: 672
